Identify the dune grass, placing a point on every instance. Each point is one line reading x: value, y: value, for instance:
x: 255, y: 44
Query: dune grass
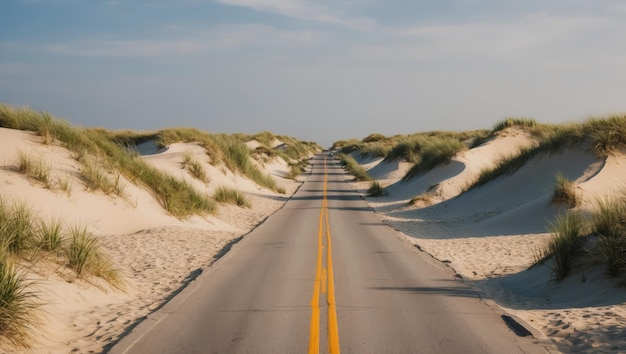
x: 606, y: 135
x: 80, y: 249
x: 375, y: 137
x: 373, y: 146
x: 353, y: 167
x: 95, y: 178
x: 18, y: 305
x: 231, y: 196
x: 611, y: 251
x: 425, y: 199
x: 434, y: 153
x: 608, y: 220
x: 297, y: 150
x: 565, y: 243
x: 424, y: 150
x: 340, y: 144
x: 194, y: 167
x: 512, y: 122
x: 297, y: 168
x: 407, y: 150
x: 374, y: 150
x: 35, y: 168
x: 376, y: 190
x: 17, y: 228
x: 64, y: 182
x: 51, y: 237
x: 85, y: 257
x: 565, y: 192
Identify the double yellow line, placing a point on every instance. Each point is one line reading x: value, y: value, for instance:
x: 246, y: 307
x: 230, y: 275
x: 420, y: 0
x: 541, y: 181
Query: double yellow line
x: 324, y: 279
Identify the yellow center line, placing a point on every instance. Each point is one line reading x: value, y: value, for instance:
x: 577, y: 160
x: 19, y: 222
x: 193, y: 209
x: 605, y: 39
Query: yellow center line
x: 333, y: 330
x: 324, y: 279
x: 314, y: 337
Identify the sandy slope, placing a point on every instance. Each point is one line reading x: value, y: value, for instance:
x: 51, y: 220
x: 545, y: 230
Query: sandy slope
x: 156, y: 253
x: 489, y: 235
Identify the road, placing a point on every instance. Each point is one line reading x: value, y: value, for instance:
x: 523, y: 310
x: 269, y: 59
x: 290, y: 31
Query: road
x: 323, y: 274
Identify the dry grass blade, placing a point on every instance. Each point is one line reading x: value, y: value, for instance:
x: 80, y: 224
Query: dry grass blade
x: 376, y: 190
x: 18, y: 305
x: 565, y: 242
x: 565, y: 192
x: 36, y: 169
x: 81, y: 249
x: 231, y: 196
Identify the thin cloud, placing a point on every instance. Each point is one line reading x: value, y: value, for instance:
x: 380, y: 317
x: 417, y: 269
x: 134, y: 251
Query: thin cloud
x: 537, y: 33
x: 225, y: 37
x: 305, y: 11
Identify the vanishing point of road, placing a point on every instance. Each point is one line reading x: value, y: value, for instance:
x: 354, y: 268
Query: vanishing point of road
x: 324, y: 275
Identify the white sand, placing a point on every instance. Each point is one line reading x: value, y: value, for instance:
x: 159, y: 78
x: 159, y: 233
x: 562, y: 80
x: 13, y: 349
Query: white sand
x: 156, y: 253
x: 490, y: 236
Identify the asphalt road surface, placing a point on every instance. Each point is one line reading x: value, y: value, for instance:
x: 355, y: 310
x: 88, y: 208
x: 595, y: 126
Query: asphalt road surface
x: 323, y: 274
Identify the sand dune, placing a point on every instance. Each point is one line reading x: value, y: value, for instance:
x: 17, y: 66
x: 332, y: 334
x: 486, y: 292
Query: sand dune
x: 155, y: 252
x: 490, y: 236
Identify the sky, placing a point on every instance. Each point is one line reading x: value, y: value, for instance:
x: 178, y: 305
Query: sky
x: 316, y: 70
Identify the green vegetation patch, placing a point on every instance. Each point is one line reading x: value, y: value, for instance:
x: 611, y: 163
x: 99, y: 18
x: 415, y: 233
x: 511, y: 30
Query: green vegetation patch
x: 376, y: 190
x: 353, y: 167
x: 565, y: 192
x: 434, y: 153
x: 18, y: 305
x: 35, y: 168
x: 194, y: 167
x: 565, y: 243
x: 231, y: 196
x: 608, y: 220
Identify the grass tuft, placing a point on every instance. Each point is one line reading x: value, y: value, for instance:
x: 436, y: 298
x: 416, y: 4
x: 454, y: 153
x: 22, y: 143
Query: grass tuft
x: 565, y: 242
x: 17, y: 228
x: 81, y: 249
x: 565, y: 192
x: 36, y: 169
x: 424, y: 199
x: 231, y: 196
x: 376, y: 190
x: 434, y: 153
x: 609, y: 217
x: 65, y: 183
x: 512, y: 122
x: 194, y: 167
x: 297, y: 168
x: 609, y: 222
x: 353, y: 167
x: 95, y: 178
x: 50, y: 236
x: 18, y: 305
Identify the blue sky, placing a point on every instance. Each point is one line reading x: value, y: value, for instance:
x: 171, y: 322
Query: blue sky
x: 317, y: 70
